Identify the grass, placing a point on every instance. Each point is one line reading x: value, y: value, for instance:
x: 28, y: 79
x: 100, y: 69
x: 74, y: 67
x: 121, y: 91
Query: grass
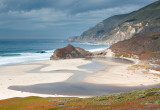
x: 149, y: 72
x: 141, y: 99
x: 141, y: 65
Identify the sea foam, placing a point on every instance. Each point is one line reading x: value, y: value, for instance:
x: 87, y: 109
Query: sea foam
x: 25, y: 57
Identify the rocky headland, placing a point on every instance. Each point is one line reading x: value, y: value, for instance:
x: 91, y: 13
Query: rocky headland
x: 121, y: 27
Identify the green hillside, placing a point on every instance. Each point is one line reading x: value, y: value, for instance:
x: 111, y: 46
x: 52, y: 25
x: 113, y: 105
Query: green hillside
x: 148, y: 14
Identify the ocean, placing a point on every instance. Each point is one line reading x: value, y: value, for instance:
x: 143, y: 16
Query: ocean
x: 14, y: 51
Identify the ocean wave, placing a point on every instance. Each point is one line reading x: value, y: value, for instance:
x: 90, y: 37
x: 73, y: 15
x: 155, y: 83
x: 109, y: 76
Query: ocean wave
x: 25, y: 57
x: 87, y: 43
x: 10, y: 54
x: 97, y: 49
x: 13, y: 58
x: 84, y: 43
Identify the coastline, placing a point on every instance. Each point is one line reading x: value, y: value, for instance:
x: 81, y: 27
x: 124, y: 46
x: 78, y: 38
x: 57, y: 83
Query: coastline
x: 115, y: 74
x: 18, y: 74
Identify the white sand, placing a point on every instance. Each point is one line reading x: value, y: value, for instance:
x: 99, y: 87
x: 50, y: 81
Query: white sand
x: 118, y: 74
x: 67, y: 64
x: 19, y: 75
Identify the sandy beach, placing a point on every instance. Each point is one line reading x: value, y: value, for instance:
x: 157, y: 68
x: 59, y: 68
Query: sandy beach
x: 41, y: 72
x: 119, y: 74
x: 20, y: 74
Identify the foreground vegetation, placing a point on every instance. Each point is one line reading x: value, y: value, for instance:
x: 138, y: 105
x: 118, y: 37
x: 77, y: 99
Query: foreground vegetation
x: 143, y: 99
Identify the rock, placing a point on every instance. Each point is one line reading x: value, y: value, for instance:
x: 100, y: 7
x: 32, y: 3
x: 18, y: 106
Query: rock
x: 40, y: 52
x: 70, y: 52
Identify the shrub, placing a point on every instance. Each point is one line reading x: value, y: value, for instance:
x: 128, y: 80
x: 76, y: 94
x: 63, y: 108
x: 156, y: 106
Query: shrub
x: 154, y: 37
x: 131, y: 20
x: 157, y: 102
x: 151, y: 93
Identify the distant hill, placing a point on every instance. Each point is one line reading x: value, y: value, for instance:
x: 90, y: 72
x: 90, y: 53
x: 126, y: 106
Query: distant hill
x: 120, y: 27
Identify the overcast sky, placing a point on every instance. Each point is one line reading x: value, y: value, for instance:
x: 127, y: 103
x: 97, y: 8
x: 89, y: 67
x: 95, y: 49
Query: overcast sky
x: 58, y: 18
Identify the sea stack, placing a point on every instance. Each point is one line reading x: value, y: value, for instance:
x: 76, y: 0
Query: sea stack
x: 70, y: 52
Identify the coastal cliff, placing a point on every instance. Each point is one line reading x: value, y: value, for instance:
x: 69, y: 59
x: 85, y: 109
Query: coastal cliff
x: 122, y: 27
x: 144, y: 46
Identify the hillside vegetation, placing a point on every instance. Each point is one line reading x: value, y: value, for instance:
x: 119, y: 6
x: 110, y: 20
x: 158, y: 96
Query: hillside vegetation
x: 144, y: 46
x: 136, y: 100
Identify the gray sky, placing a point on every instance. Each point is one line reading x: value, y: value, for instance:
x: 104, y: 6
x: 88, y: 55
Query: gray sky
x: 58, y: 18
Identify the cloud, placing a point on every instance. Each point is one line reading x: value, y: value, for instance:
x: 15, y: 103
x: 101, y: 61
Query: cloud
x: 47, y: 17
x: 72, y: 6
x: 54, y: 16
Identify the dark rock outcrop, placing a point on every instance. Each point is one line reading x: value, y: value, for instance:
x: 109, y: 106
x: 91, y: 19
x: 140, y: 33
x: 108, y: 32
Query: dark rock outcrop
x: 70, y: 52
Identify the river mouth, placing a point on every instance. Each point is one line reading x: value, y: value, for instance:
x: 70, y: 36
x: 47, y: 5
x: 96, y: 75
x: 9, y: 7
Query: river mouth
x: 75, y: 86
